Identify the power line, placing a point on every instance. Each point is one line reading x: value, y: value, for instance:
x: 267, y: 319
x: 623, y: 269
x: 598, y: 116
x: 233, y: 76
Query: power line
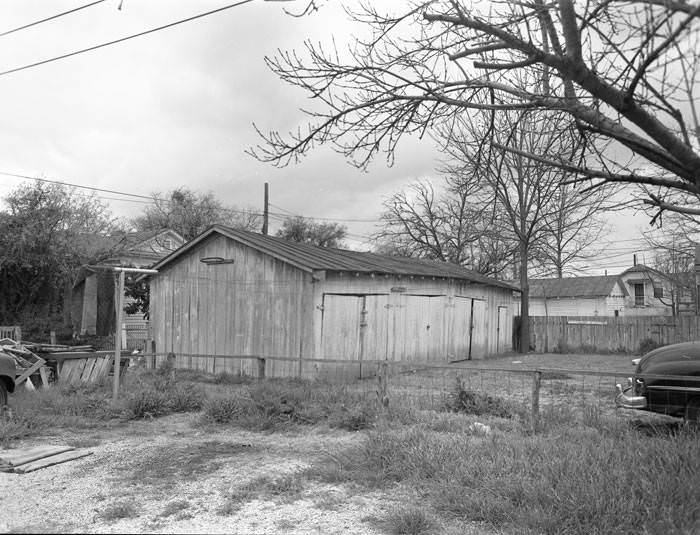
x: 13, y: 30
x: 49, y: 181
x: 122, y: 39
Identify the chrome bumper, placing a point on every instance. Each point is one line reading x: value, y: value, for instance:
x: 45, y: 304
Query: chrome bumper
x: 622, y: 400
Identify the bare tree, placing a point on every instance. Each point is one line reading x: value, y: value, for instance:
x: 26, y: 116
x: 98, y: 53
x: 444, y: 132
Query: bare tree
x: 541, y: 213
x: 571, y: 232
x: 305, y: 230
x: 674, y: 255
x: 190, y: 213
x: 625, y: 71
x: 453, y: 225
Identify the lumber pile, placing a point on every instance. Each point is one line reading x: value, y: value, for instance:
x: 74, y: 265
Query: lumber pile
x: 27, y: 362
x: 25, y: 460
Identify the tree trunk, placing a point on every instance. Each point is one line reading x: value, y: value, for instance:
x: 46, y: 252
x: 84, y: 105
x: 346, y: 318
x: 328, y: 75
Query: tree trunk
x: 524, y: 301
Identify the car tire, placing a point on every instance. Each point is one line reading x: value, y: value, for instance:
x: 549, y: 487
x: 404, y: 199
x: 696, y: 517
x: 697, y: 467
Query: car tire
x: 692, y: 411
x: 3, y: 393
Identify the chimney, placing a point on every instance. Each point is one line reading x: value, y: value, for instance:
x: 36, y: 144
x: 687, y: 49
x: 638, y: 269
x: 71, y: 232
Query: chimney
x: 634, y: 260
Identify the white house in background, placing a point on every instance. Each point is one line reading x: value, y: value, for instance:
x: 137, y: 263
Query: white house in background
x: 651, y: 293
x: 578, y: 296
x: 637, y: 291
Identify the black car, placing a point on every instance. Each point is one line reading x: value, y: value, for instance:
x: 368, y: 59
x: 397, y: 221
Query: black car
x: 7, y: 376
x: 667, y: 380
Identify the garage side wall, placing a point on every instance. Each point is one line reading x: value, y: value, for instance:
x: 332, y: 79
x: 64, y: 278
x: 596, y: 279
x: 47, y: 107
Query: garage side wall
x: 379, y: 317
x: 257, y: 305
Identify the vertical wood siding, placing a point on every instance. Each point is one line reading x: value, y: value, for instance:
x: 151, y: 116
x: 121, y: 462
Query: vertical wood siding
x: 262, y: 306
x: 610, y: 334
x: 254, y: 306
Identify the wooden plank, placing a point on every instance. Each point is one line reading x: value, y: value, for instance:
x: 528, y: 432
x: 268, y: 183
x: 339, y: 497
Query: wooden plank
x: 18, y: 457
x: 44, y: 376
x: 87, y: 369
x: 51, y: 461
x: 38, y: 364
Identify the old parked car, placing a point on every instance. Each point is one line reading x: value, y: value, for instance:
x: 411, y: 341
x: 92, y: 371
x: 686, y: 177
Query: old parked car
x: 654, y: 387
x: 7, y: 377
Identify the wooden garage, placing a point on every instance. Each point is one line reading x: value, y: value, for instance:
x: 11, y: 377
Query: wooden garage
x: 230, y: 292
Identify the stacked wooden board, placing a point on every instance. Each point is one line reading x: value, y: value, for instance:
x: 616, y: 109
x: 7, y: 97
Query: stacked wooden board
x: 23, y: 461
x: 26, y: 361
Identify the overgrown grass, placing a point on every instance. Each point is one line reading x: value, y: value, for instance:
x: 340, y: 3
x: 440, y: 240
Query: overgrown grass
x: 274, y: 404
x: 89, y: 405
x: 597, y: 479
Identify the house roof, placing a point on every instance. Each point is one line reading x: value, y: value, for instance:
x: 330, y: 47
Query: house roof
x: 310, y: 258
x: 598, y: 286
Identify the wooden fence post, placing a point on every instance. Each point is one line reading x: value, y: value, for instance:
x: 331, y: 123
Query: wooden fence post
x: 382, y: 379
x: 535, y: 416
x: 261, y: 368
x: 52, y: 337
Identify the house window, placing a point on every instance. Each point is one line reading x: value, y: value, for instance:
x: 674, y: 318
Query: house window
x: 658, y: 292
x: 639, y: 295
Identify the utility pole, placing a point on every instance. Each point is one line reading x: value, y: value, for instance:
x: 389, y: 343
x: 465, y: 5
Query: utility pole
x: 266, y: 210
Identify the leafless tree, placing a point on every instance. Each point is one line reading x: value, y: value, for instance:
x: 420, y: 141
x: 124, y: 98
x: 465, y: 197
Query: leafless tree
x: 625, y: 71
x: 452, y: 225
x: 304, y: 230
x: 546, y: 217
x: 190, y: 213
x: 674, y: 255
x: 572, y: 231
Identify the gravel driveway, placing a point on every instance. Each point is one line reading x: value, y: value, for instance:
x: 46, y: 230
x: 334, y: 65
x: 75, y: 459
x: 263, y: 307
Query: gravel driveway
x: 171, y: 476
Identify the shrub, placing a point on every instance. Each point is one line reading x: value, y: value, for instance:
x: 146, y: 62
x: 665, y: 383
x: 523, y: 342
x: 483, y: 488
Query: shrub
x: 468, y: 402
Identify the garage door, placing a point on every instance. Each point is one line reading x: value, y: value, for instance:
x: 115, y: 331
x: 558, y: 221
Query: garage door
x: 354, y: 327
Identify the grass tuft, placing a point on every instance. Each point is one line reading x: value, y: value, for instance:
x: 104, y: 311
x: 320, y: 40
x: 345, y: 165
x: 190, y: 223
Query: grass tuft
x: 410, y: 520
x: 118, y: 511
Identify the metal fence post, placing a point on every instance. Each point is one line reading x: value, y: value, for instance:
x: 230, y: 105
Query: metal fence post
x: 535, y: 415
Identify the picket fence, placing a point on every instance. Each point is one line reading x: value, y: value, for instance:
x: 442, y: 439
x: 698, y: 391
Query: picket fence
x: 560, y: 334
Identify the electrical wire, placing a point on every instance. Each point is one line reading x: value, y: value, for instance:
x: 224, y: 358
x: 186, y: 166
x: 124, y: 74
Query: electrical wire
x: 126, y: 38
x: 47, y: 19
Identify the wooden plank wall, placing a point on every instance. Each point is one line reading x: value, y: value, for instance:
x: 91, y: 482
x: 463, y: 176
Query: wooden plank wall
x: 253, y: 306
x: 610, y: 333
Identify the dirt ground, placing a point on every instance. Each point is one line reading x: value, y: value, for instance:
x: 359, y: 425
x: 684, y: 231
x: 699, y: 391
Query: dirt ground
x: 170, y: 476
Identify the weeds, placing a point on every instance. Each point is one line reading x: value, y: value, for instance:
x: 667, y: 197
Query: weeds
x: 274, y: 404
x: 468, y: 402
x: 570, y: 480
x: 410, y: 521
x: 118, y: 510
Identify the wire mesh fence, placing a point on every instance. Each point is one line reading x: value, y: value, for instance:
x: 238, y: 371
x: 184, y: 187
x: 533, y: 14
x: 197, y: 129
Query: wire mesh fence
x: 534, y: 394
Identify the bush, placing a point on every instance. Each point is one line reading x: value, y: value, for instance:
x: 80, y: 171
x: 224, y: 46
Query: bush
x: 468, y: 402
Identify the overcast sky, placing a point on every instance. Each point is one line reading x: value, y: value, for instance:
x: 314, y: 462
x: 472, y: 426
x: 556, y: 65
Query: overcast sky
x: 176, y: 108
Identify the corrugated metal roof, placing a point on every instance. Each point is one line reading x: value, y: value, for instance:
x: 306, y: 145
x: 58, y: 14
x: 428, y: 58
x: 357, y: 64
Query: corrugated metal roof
x: 310, y: 257
x: 575, y: 286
